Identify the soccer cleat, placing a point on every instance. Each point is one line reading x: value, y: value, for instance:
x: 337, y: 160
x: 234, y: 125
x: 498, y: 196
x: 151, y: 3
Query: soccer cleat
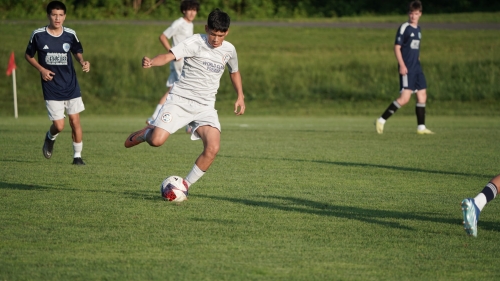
x: 471, y: 216
x: 137, y: 137
x: 150, y: 121
x: 425, y: 132
x: 78, y: 161
x: 48, y: 146
x: 379, y: 127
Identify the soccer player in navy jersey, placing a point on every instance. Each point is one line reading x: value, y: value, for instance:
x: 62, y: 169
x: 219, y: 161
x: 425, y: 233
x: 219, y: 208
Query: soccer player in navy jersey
x: 471, y: 207
x: 411, y: 76
x: 61, y: 91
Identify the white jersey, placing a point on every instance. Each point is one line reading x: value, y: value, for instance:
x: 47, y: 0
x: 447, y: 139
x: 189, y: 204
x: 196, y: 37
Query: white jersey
x: 179, y: 30
x: 203, y: 68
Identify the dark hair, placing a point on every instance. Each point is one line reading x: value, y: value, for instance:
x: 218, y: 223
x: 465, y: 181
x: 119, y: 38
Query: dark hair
x: 218, y: 21
x: 415, y: 6
x: 55, y: 5
x: 187, y: 5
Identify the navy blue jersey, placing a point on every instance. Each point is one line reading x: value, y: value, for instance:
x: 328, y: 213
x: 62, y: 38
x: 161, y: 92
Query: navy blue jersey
x: 408, y: 37
x: 53, y: 54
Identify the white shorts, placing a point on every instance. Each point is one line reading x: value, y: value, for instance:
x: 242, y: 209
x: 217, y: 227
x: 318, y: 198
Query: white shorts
x: 177, y: 112
x: 56, y: 108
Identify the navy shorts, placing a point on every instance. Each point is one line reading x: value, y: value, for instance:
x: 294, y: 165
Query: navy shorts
x: 412, y: 81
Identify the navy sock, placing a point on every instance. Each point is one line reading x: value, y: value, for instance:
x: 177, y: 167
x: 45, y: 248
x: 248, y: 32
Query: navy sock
x: 420, y: 112
x: 393, y: 107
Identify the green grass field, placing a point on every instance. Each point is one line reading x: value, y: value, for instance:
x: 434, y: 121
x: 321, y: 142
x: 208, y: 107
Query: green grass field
x: 288, y: 198
x: 316, y: 68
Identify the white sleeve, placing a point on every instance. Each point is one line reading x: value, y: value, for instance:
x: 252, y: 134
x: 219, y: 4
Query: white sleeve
x: 172, y: 29
x: 187, y: 48
x: 233, y: 62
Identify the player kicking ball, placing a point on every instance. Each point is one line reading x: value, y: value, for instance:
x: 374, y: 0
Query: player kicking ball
x: 471, y: 207
x: 192, y: 98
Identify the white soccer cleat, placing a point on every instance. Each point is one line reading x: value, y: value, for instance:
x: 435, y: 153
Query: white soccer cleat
x: 379, y: 127
x: 425, y: 132
x: 471, y: 216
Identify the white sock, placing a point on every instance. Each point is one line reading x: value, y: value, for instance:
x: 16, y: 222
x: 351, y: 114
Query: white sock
x: 381, y: 120
x: 421, y: 127
x: 195, y: 174
x: 51, y: 137
x: 77, y: 148
x: 157, y: 110
x: 480, y: 201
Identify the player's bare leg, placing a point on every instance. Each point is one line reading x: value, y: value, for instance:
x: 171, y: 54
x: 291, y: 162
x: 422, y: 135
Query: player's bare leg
x: 157, y: 137
x: 77, y: 135
x: 211, y: 144
x: 404, y: 97
x: 50, y: 138
x: 76, y: 128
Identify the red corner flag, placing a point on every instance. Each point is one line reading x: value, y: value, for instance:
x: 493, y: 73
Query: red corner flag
x: 12, y: 64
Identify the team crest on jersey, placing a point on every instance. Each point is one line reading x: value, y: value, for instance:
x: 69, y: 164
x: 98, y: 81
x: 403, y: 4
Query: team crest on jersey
x: 66, y: 47
x: 225, y: 58
x: 166, y: 117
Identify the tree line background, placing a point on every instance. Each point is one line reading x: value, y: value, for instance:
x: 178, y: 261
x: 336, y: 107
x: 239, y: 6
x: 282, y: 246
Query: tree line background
x: 238, y: 9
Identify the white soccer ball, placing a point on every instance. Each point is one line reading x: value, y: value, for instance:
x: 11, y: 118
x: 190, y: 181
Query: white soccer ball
x: 174, y: 189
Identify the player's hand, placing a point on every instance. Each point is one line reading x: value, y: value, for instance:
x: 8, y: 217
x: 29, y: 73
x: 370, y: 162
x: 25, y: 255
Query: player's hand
x: 403, y: 70
x: 47, y: 75
x: 86, y: 66
x: 240, y: 103
x: 146, y: 62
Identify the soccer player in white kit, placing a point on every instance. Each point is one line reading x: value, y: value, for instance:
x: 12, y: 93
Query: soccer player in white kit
x: 192, y: 98
x: 179, y: 30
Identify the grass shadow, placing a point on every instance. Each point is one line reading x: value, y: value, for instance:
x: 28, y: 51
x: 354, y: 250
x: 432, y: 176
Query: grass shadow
x: 152, y: 196
x: 372, y: 216
x: 366, y: 165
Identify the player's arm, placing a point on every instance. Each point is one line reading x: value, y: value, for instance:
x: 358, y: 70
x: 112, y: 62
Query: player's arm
x: 164, y: 42
x: 85, y: 64
x: 159, y: 60
x: 46, y: 74
x: 238, y: 87
x: 399, y: 56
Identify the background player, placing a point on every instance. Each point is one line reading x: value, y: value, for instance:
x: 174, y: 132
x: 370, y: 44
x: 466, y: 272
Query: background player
x: 192, y: 98
x: 61, y: 91
x: 179, y: 30
x: 471, y: 207
x: 411, y: 76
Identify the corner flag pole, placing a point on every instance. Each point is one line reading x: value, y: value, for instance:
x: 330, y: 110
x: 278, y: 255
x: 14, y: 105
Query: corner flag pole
x: 15, y: 92
x: 11, y: 69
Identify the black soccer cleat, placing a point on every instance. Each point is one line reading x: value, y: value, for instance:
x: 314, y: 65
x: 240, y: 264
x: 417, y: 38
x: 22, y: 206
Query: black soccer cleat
x: 78, y: 161
x: 48, y: 146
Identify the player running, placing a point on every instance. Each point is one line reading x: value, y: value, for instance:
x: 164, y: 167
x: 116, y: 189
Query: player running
x: 61, y: 91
